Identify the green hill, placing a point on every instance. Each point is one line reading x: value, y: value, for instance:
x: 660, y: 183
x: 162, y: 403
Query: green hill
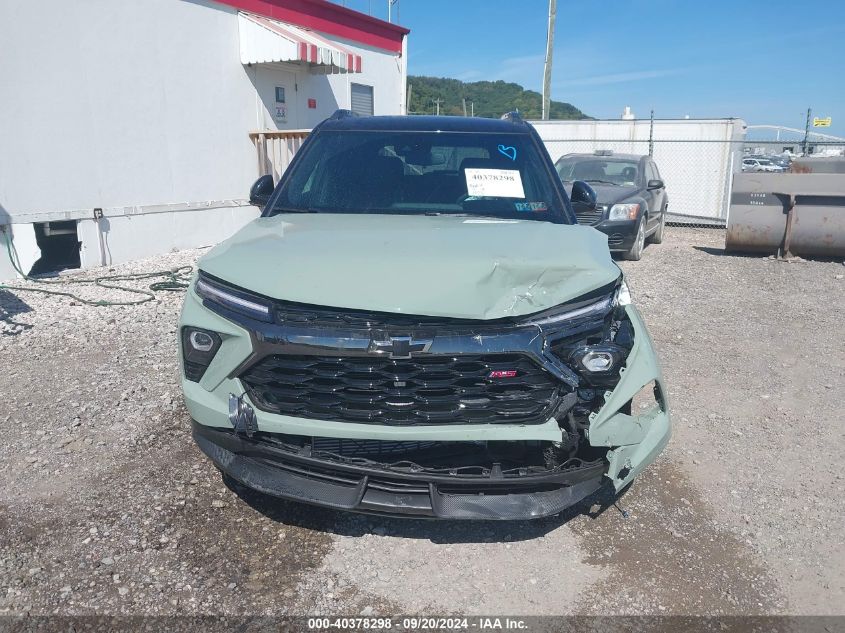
x: 491, y: 99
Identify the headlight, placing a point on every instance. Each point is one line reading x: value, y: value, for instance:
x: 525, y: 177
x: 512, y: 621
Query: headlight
x: 595, y: 361
x: 198, y: 349
x: 602, y: 360
x: 563, y: 314
x: 624, y: 211
x: 235, y: 300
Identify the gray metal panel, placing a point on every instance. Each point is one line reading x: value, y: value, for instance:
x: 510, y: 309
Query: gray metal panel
x: 362, y: 99
x: 759, y: 210
x: 822, y: 164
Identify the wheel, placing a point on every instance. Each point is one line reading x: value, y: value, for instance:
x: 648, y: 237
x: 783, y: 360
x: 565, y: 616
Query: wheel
x: 636, y: 251
x: 657, y: 236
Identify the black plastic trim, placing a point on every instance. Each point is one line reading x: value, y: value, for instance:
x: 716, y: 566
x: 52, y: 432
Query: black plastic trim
x: 282, y: 473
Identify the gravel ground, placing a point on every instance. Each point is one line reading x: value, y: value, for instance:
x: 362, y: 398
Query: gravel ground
x: 106, y: 506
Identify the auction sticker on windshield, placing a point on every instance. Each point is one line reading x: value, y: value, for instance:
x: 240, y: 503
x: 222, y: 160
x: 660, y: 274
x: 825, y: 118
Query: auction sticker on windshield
x: 494, y: 183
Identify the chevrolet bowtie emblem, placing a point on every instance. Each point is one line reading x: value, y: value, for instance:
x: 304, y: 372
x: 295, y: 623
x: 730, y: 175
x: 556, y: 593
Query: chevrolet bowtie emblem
x: 400, y: 346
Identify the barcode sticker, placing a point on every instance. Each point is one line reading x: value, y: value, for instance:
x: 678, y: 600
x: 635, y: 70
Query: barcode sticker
x: 494, y: 183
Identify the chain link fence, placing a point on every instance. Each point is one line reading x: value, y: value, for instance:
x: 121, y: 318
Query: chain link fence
x: 698, y: 173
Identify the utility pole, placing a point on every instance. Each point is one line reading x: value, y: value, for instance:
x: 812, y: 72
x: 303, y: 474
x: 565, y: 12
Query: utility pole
x: 437, y: 102
x: 408, y: 98
x: 465, y: 105
x: 807, y: 131
x: 472, y: 108
x: 547, y: 69
x: 390, y: 4
x: 651, y: 135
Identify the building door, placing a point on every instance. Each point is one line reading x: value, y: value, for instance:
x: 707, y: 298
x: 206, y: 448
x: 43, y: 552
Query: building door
x: 277, y: 92
x: 362, y: 99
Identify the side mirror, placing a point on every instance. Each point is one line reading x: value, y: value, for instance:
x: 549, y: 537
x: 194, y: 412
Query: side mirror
x: 261, y: 190
x: 655, y: 184
x: 583, y: 194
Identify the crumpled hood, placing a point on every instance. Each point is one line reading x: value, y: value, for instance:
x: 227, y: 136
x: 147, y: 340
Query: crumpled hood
x: 450, y: 266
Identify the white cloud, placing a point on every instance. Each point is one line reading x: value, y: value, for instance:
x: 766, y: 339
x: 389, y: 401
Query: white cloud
x: 617, y: 78
x: 526, y: 70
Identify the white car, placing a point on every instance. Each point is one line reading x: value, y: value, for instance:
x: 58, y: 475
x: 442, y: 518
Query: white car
x: 760, y: 165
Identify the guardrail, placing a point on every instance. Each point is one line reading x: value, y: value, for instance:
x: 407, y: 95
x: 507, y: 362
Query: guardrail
x: 275, y: 149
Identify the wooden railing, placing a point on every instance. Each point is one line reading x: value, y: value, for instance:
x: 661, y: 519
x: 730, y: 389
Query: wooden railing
x: 275, y: 149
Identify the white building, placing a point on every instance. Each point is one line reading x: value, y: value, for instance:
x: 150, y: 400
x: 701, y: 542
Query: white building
x: 140, y: 111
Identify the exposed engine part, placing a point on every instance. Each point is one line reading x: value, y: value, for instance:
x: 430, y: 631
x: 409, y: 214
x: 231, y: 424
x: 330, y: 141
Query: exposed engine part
x: 559, y: 453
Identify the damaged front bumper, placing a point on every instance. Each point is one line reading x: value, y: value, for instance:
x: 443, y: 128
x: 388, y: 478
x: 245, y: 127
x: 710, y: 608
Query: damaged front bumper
x: 621, y: 442
x: 365, y: 487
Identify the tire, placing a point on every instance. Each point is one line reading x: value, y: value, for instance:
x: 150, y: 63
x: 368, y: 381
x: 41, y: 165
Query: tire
x: 657, y: 236
x: 635, y: 253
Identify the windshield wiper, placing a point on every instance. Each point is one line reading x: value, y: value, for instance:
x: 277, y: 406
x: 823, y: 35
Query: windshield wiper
x: 603, y: 182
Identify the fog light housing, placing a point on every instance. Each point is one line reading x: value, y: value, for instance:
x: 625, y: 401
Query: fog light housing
x: 199, y: 347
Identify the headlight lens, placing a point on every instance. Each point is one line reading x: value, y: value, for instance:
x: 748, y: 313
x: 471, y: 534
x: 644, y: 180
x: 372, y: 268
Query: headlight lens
x: 602, y: 359
x: 597, y: 361
x: 564, y: 314
x: 624, y: 212
x: 198, y: 350
x: 201, y: 341
x: 235, y: 300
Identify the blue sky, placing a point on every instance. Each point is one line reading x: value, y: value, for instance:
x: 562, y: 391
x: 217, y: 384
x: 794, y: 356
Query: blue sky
x: 765, y: 61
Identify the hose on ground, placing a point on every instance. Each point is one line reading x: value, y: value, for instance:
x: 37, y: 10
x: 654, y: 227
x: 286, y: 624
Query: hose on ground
x: 175, y: 280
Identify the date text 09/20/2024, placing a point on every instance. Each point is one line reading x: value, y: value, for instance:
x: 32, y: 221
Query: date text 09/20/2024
x: 418, y: 623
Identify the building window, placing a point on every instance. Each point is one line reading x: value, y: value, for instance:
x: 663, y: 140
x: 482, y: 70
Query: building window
x: 280, y: 110
x: 362, y: 99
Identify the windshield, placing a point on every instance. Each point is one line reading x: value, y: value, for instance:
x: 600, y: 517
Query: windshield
x: 603, y: 171
x: 499, y: 175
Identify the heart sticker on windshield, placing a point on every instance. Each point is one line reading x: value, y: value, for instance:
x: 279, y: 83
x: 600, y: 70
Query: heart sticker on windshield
x: 508, y: 150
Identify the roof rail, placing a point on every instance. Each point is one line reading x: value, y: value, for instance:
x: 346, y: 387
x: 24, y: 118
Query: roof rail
x: 343, y: 114
x: 513, y: 117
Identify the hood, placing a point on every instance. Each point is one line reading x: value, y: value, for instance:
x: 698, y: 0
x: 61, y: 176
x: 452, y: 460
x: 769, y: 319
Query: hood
x: 449, y: 266
x: 610, y: 194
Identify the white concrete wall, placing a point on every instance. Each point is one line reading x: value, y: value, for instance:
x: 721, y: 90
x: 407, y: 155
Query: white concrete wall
x: 22, y: 236
x: 134, y: 104
x: 696, y: 158
x: 123, y: 103
x: 129, y: 237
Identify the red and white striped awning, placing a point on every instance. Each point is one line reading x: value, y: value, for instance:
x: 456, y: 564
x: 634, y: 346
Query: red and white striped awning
x: 266, y: 41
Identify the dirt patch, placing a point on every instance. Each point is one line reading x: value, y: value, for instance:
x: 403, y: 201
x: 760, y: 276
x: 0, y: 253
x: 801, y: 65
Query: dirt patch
x: 668, y: 557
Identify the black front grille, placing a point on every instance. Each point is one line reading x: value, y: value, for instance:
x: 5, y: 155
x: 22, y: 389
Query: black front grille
x: 589, y: 216
x: 424, y: 390
x: 369, y: 448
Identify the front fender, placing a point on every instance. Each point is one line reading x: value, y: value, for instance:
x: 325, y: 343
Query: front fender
x: 635, y: 439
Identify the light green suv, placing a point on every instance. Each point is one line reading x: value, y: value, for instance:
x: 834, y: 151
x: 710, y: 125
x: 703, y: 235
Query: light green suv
x: 417, y: 326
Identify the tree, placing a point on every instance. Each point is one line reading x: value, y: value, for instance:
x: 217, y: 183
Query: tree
x: 490, y: 98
